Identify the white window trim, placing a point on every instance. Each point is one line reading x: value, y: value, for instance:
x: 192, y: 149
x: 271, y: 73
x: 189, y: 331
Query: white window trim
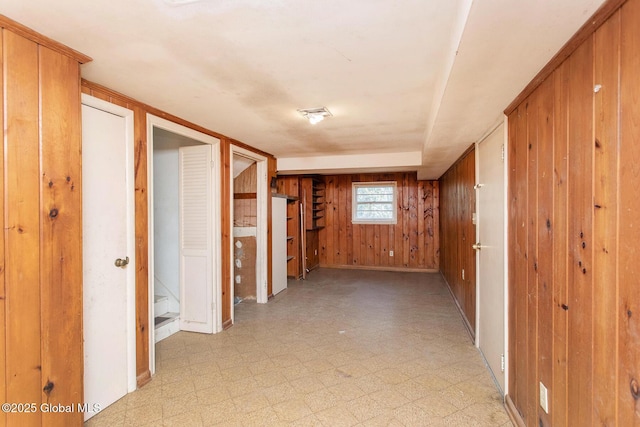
x: 354, y: 204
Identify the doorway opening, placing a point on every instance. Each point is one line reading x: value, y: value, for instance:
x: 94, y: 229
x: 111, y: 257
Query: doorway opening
x: 249, y: 227
x: 184, y: 231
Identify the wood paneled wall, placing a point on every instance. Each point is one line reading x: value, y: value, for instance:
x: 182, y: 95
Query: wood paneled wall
x: 574, y: 151
x: 141, y: 213
x: 414, y: 239
x: 41, y: 351
x: 458, y: 233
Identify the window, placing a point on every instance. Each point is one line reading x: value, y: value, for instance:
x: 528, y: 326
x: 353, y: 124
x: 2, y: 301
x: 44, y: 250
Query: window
x: 373, y: 203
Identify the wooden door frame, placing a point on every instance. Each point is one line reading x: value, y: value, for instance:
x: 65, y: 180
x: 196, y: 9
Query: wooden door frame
x: 128, y: 116
x: 160, y: 123
x: 262, y: 191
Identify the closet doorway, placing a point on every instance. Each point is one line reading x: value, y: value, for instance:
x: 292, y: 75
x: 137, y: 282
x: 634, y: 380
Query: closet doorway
x: 184, y: 231
x: 248, y: 256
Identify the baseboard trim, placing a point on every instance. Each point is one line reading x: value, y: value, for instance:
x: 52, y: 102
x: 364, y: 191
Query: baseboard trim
x: 513, y: 413
x: 465, y: 321
x: 227, y: 324
x: 379, y: 268
x: 143, y: 379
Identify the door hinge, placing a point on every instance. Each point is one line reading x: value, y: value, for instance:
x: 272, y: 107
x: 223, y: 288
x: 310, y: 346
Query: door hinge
x: 502, y: 152
x: 502, y: 362
x: 211, y: 164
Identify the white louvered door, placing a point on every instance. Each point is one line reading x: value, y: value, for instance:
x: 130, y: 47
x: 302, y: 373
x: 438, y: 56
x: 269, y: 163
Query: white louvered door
x: 196, y: 239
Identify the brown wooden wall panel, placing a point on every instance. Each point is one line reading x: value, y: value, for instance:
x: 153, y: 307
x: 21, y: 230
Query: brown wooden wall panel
x: 511, y: 232
x: 22, y: 235
x: 3, y: 342
x: 413, y: 239
x: 271, y: 176
x: 607, y: 74
x: 247, y: 180
x: 559, y: 249
x: 41, y: 354
x: 544, y: 261
x: 628, y: 305
x: 141, y: 212
x: 580, y: 234
x: 520, y: 264
x: 531, y: 250
x: 62, y: 362
x: 457, y: 234
x: 573, y: 230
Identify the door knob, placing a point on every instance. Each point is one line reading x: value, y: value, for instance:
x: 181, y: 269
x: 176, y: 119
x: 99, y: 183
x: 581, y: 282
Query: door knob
x: 122, y: 262
x: 477, y: 246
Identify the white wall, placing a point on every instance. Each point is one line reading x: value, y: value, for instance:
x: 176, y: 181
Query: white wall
x: 166, y: 215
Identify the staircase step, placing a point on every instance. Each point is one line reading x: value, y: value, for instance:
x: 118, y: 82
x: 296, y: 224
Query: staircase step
x: 160, y: 305
x: 166, y: 325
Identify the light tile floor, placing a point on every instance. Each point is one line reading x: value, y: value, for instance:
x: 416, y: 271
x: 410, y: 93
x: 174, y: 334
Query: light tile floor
x: 343, y: 348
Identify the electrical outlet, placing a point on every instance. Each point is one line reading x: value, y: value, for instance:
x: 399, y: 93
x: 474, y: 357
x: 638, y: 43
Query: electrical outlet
x: 390, y: 253
x: 544, y: 398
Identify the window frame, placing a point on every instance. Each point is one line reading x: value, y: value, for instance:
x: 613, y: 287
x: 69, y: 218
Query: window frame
x: 354, y: 202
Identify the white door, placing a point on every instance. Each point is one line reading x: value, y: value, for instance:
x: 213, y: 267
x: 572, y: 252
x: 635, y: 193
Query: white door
x: 107, y: 232
x: 491, y: 255
x: 196, y: 238
x: 278, y: 244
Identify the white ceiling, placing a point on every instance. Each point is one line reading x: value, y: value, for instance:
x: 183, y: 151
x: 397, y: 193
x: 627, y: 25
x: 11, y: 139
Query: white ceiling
x: 400, y: 76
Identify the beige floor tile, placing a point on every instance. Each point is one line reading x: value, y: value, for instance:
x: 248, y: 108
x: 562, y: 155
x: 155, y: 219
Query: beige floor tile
x: 180, y: 405
x: 292, y: 410
x: 365, y: 408
x: 336, y: 416
x: 321, y: 399
x: 250, y: 402
x: 187, y: 419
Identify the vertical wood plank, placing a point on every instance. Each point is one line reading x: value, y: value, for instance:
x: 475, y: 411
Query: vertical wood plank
x: 629, y: 227
x: 607, y: 62
x: 22, y: 221
x: 141, y: 210
x: 3, y: 342
x: 412, y: 187
x: 521, y: 394
x: 580, y: 244
x: 422, y: 248
x: 560, y: 255
x: 348, y: 225
x: 435, y: 229
x: 342, y: 218
x: 406, y: 222
x: 532, y: 256
x: 514, y: 318
x: 545, y: 241
x: 61, y: 236
x: 330, y: 212
x: 271, y: 174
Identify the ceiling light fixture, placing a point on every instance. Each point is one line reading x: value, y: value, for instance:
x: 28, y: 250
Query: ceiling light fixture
x: 315, y: 115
